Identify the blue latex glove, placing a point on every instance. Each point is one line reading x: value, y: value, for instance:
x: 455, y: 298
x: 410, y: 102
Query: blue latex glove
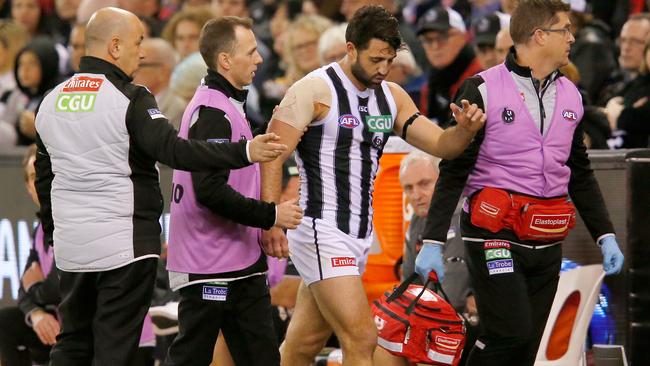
x: 612, y: 256
x: 430, y: 258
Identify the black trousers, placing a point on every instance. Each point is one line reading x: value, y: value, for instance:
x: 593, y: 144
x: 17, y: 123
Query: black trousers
x: 240, y: 309
x: 19, y: 344
x: 513, y: 305
x: 102, y: 315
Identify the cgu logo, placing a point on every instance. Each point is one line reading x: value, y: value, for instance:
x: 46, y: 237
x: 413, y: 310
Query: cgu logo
x: 497, y: 254
x: 348, y: 121
x: 75, y: 102
x: 569, y: 115
x: 383, y: 123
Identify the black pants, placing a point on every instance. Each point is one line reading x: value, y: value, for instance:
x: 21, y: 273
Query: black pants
x: 19, y: 344
x: 102, y: 315
x: 513, y: 306
x: 244, y: 317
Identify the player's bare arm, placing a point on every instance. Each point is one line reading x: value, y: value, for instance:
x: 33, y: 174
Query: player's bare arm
x: 306, y: 101
x: 424, y: 134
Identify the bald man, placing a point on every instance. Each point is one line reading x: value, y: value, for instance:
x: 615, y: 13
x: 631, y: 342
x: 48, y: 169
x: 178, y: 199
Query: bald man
x: 99, y: 137
x: 502, y: 44
x: 155, y: 72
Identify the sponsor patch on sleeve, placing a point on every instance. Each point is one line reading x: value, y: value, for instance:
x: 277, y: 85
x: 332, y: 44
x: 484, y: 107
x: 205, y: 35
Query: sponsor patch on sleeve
x: 155, y: 113
x: 219, y: 141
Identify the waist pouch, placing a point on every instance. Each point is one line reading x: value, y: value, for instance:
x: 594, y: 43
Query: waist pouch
x: 530, y: 218
x: 416, y: 323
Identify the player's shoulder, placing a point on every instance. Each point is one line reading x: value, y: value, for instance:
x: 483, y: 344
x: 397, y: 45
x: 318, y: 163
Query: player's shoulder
x: 311, y: 80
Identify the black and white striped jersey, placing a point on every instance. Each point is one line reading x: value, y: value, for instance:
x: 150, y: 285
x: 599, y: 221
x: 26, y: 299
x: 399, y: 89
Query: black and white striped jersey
x: 338, y: 156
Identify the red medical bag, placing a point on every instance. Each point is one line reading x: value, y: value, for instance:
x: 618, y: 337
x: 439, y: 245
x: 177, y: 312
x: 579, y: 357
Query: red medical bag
x: 416, y: 323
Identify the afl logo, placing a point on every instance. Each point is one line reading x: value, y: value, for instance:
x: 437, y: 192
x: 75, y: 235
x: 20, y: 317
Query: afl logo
x: 508, y: 115
x: 348, y: 121
x: 569, y: 115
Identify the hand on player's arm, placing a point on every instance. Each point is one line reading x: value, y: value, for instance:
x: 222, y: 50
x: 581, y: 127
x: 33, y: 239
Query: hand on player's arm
x: 274, y: 241
x: 428, y: 136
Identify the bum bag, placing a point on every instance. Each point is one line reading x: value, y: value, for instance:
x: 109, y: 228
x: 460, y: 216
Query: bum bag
x: 530, y: 218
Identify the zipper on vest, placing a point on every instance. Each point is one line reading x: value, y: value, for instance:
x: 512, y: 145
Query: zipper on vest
x: 540, y: 95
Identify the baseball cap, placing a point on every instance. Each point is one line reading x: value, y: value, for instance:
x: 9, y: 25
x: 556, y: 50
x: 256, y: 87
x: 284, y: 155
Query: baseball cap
x: 440, y: 19
x: 486, y: 28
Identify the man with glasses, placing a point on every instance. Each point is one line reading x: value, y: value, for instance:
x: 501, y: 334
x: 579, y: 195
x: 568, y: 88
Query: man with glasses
x: 442, y: 33
x: 631, y: 43
x: 522, y: 175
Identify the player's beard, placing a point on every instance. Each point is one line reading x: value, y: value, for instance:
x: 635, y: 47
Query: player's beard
x: 362, y: 76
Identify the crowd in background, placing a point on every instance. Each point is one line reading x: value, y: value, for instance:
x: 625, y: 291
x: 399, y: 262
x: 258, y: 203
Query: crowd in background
x: 446, y: 41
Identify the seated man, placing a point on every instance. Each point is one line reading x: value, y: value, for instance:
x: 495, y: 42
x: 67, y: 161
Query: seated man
x: 418, y: 174
x: 29, y: 329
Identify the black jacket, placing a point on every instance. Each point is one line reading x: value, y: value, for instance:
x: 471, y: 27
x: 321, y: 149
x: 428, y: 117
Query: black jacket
x: 150, y: 138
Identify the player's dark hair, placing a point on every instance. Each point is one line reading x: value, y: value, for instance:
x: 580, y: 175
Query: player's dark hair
x: 373, y: 21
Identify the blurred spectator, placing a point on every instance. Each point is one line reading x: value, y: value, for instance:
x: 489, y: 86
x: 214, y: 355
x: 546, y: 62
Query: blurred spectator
x: 30, y: 328
x: 301, y: 47
x: 331, y: 44
x: 155, y: 72
x: 443, y: 34
x: 65, y: 16
x: 594, y: 121
x: 147, y: 11
x: 238, y: 8
x: 88, y: 7
x: 13, y: 37
x: 403, y: 69
x: 76, y: 46
x: 66, y: 10
x: 633, y: 120
x: 349, y: 7
x: 29, y: 14
x: 183, y: 30
x: 187, y: 75
x: 485, y: 34
x: 508, y: 6
x: 631, y: 43
x: 300, y: 54
x: 502, y: 44
x: 593, y: 51
x: 36, y: 71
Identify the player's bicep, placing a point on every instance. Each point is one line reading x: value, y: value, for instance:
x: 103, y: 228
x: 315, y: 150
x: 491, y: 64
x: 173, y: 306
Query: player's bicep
x: 288, y: 133
x: 408, y: 118
x: 303, y: 103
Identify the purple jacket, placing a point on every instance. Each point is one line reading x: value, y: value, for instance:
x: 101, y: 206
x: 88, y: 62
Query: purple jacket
x: 536, y: 164
x: 201, y: 242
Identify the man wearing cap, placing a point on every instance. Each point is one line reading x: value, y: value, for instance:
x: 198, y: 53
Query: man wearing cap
x: 443, y: 35
x: 485, y: 34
